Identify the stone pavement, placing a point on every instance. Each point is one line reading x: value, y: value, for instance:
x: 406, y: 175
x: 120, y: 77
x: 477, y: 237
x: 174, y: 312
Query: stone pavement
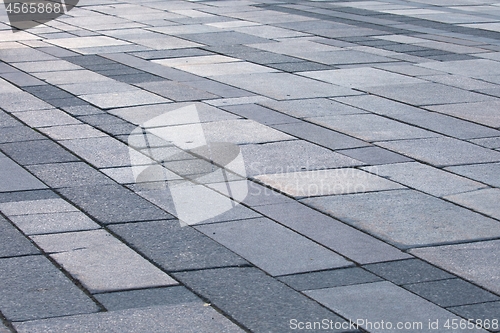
x: 252, y: 166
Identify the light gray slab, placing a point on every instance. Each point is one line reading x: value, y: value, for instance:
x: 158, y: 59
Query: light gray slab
x: 101, y: 152
x: 326, y: 182
x: 493, y: 143
x: 425, y: 178
x: 476, y: 262
x: 14, y: 178
x: 123, y: 99
x: 485, y: 113
x: 101, y: 262
x: 442, y: 151
x: 486, y: 201
x: 487, y: 173
x: 476, y: 68
x: 44, y: 206
x: 53, y: 222
x: 272, y: 247
x: 45, y: 118
x: 312, y: 107
x: 69, y: 132
x: 283, y: 86
x: 371, y: 303
x: 407, y: 218
x: 371, y: 127
x: 188, y: 317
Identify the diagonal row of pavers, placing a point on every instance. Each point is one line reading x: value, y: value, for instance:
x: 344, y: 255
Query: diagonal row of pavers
x: 370, y: 133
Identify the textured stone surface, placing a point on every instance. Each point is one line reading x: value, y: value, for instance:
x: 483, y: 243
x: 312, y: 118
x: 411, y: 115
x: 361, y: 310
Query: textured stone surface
x: 53, y: 222
x: 69, y: 175
x: 15, y: 178
x: 484, y: 201
x: 13, y: 243
x: 486, y: 173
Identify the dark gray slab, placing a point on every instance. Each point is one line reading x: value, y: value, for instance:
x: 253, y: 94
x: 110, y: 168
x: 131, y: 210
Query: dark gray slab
x: 7, y: 121
x: 69, y: 175
x: 178, y: 92
x: 14, y: 178
x: 328, y: 279
x: 13, y: 242
x: 374, y: 155
x: 36, y: 152
x: 257, y: 301
x: 113, y: 204
x: 452, y: 292
x: 331, y: 233
x: 176, y: 248
x: 407, y: 271
x: 27, y: 195
x: 485, y: 311
x: 407, y: 218
x: 19, y: 133
x: 261, y: 114
x: 146, y: 297
x: 33, y: 288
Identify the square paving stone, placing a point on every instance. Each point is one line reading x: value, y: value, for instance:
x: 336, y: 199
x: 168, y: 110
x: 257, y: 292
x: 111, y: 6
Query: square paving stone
x: 69, y: 175
x: 142, y: 298
x: 486, y: 173
x: 329, y: 278
x: 484, y: 201
x: 442, y: 151
x: 484, y: 311
x: 101, y: 262
x: 282, y: 86
x: 451, y: 292
x: 374, y: 155
x: 157, y: 319
x: 291, y: 156
x: 101, y: 152
x: 320, y: 135
x: 407, y: 218
x: 176, y: 248
x: 12, y: 242
x: 14, y: 178
x: 53, y: 222
x: 257, y: 301
x: 371, y: 127
x: 272, y: 247
x: 427, y: 94
x: 113, y: 204
x: 407, y: 271
x: 372, y: 303
x: 425, y: 178
x: 36, y: 152
x: 326, y: 182
x: 260, y: 114
x: 481, y: 112
x: 33, y: 288
x: 331, y: 233
x: 313, y: 107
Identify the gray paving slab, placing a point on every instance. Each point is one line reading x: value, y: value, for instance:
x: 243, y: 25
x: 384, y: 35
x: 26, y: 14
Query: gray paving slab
x: 53, y: 223
x: 123, y: 99
x: 260, y: 114
x: 493, y: 143
x: 329, y: 278
x: 451, y: 292
x: 142, y: 298
x: 178, y: 92
x: 372, y: 303
x: 144, y: 320
x: 14, y: 178
x: 272, y: 247
x: 7, y: 120
x: 69, y: 175
x: 407, y: 218
x: 257, y: 301
x: 101, y: 151
x: 374, y: 155
x: 27, y: 195
x: 442, y: 151
x: 300, y: 155
x: 101, y: 262
x: 113, y: 204
x: 36, y: 152
x: 14, y: 243
x: 40, y: 206
x: 484, y: 312
x: 311, y: 107
x: 331, y: 233
x: 486, y: 173
x: 81, y: 131
x: 484, y: 201
x: 176, y: 248
x: 425, y: 178
x: 19, y: 133
x: 371, y: 127
x: 33, y: 288
x: 479, y: 112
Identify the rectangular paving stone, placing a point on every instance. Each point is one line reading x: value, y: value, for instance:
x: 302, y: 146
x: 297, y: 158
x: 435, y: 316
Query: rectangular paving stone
x: 36, y: 152
x: 374, y: 155
x: 81, y: 131
x: 14, y: 178
x: 53, y: 222
x: 370, y: 303
x: 27, y: 195
x: 217, y: 88
x: 145, y: 320
x: 101, y: 151
x: 331, y: 233
x: 101, y: 262
x: 479, y: 112
x: 19, y: 133
x: 327, y: 182
x: 328, y: 279
x: 442, y: 151
x: 122, y: 99
x: 493, y: 143
x: 69, y: 175
x: 371, y: 127
x: 484, y: 201
x: 44, y: 118
x: 113, y: 204
x: 407, y: 271
x: 272, y: 247
x: 176, y: 248
x: 260, y: 114
x: 257, y: 301
x: 33, y: 288
x: 12, y: 242
x: 486, y: 173
x: 451, y: 292
x: 42, y: 206
x: 176, y: 91
x: 425, y: 178
x: 484, y: 311
x: 406, y: 218
x: 311, y: 107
